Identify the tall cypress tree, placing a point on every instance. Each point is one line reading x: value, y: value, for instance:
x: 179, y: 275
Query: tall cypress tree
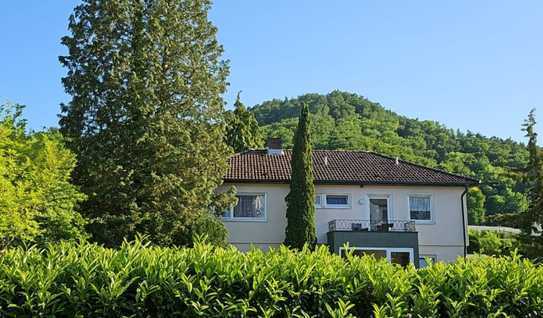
x: 301, y: 228
x: 146, y: 115
x: 532, y: 219
x: 242, y: 132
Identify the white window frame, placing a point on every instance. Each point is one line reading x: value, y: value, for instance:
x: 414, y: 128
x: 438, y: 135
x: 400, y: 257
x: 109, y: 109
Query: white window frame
x: 320, y: 196
x: 232, y: 218
x: 431, y: 256
x: 425, y: 195
x: 325, y: 205
x: 388, y: 251
x: 390, y: 207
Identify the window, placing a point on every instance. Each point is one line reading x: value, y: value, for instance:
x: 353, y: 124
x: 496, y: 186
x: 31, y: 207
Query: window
x: 423, y: 260
x: 400, y: 256
x: 420, y: 208
x: 250, y: 206
x: 318, y: 201
x: 332, y: 201
x: 337, y: 201
x: 378, y: 212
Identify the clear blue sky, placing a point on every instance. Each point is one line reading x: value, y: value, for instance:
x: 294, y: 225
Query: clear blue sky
x: 474, y: 65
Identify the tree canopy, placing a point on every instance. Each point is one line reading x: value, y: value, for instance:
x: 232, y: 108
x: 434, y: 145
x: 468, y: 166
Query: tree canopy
x: 37, y: 202
x: 242, y: 131
x: 145, y: 116
x: 341, y: 120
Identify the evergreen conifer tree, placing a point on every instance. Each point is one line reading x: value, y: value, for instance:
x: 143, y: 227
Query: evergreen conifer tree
x: 242, y: 131
x: 532, y: 219
x: 301, y: 228
x: 146, y: 116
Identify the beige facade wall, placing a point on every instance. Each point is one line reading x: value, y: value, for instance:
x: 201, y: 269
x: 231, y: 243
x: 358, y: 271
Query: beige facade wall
x: 441, y: 238
x: 441, y: 253
x: 269, y: 231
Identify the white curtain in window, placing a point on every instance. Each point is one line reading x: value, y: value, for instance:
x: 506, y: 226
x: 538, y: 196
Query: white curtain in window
x: 419, y: 204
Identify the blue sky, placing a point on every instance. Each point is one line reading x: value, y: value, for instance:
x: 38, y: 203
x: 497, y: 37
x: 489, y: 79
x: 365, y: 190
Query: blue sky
x: 474, y: 65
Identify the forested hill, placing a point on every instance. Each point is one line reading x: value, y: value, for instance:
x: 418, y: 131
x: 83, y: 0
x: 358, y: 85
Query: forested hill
x: 342, y: 120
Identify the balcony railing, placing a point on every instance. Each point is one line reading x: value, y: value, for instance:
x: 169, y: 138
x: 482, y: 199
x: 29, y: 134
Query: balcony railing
x: 372, y: 226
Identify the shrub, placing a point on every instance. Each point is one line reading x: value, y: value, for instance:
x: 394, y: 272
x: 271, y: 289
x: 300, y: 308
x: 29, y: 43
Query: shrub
x: 37, y: 202
x: 85, y: 280
x: 503, y: 219
x: 210, y: 229
x: 493, y: 243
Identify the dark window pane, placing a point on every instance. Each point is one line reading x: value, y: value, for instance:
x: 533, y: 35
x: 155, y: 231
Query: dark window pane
x: 401, y: 258
x: 337, y: 199
x: 419, y: 207
x: 249, y: 206
x: 422, y: 262
x: 378, y: 213
x: 421, y: 215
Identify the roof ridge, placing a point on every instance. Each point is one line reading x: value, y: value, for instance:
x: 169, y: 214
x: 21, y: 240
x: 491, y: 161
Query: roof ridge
x: 242, y: 152
x: 319, y: 150
x: 341, y: 150
x: 322, y: 150
x: 424, y: 167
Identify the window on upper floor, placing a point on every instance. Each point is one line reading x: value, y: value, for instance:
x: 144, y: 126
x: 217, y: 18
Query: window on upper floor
x: 318, y: 201
x: 337, y: 200
x: 250, y: 207
x: 420, y: 208
x: 332, y: 201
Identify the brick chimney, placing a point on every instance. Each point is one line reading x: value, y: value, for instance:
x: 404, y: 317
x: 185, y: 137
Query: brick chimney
x: 275, y: 146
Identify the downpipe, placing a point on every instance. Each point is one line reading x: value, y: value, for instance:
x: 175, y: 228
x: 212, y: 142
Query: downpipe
x: 464, y: 219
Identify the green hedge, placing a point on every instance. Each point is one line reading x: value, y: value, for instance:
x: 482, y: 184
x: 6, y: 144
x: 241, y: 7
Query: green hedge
x: 85, y: 280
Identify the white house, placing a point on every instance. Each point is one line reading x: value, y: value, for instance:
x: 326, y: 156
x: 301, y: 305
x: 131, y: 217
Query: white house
x: 378, y: 204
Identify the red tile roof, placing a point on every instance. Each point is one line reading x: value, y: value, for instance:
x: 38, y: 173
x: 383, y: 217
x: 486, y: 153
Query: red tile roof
x: 339, y: 167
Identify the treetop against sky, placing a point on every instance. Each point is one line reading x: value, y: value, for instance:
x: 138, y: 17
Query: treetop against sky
x: 470, y: 65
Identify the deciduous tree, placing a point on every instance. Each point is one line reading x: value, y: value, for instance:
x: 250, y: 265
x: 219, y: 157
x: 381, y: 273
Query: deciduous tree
x: 37, y: 201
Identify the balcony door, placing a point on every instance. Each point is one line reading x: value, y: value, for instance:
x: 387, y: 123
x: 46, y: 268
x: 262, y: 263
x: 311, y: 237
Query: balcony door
x: 379, y: 212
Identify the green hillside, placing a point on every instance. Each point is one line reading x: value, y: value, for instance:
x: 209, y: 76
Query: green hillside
x: 342, y: 120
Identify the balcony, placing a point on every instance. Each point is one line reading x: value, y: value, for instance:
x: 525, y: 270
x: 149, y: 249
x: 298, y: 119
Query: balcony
x: 356, y: 225
x: 392, y: 235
